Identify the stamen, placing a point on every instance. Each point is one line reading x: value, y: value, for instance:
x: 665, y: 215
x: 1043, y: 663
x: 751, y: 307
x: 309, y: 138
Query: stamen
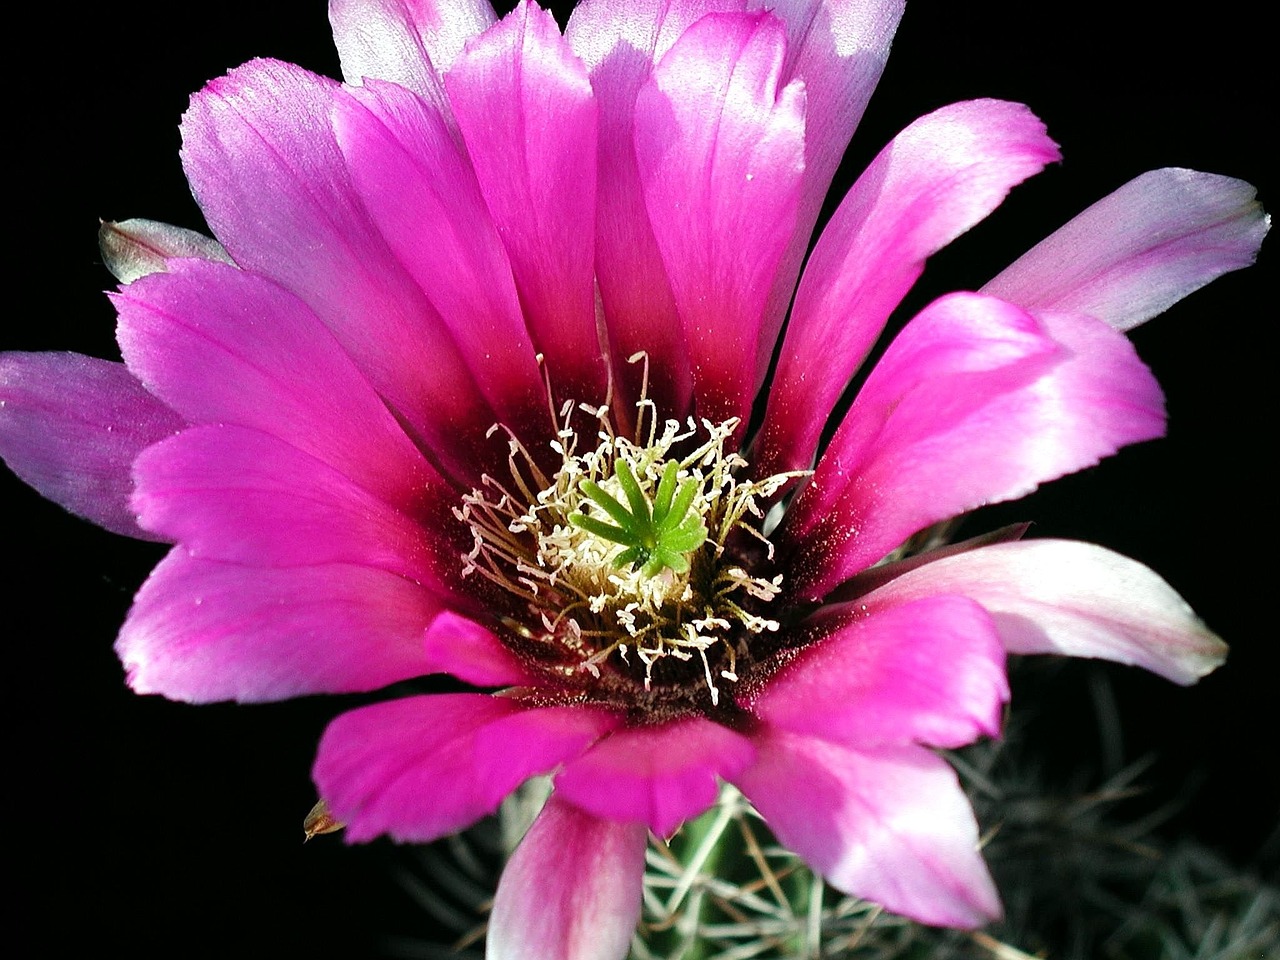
x: 629, y: 547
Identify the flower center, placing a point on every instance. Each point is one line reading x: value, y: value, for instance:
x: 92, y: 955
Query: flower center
x: 632, y: 563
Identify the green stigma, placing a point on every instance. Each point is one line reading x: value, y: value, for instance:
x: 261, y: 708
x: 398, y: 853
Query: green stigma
x: 656, y: 537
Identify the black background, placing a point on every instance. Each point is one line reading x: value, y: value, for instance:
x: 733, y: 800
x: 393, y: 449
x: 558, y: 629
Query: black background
x: 170, y: 830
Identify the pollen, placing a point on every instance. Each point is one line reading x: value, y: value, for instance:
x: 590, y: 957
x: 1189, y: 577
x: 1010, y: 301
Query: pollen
x: 629, y: 561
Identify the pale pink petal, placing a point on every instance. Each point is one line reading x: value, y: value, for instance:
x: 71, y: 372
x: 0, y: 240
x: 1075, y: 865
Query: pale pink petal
x: 187, y: 336
x: 890, y: 825
x: 134, y: 248
x: 71, y: 426
x: 263, y: 161
x: 571, y: 890
x: 838, y: 48
x: 1139, y: 250
x: 459, y: 646
x: 859, y: 585
x: 420, y: 190
x: 409, y: 42
x: 975, y: 402
x: 658, y: 775
x: 203, y: 631
x: 600, y: 30
x: 882, y: 673
x: 378, y: 38
x: 423, y: 767
x: 526, y: 111
x: 720, y: 148
x: 934, y: 181
x: 1076, y: 599
x: 240, y: 495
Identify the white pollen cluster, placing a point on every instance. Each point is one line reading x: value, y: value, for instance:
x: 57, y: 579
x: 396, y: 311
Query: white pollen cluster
x: 531, y: 538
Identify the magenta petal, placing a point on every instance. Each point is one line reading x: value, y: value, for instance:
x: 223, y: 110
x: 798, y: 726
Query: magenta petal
x: 930, y: 671
x: 837, y: 49
x: 721, y: 151
x: 540, y: 740
x: 975, y: 402
x: 422, y: 767
x: 404, y: 767
x: 959, y: 355
x: 204, y: 631
x: 461, y: 647
x: 1077, y: 599
x: 185, y: 335
x: 1136, y: 252
x: 525, y: 108
x: 262, y: 158
x: 419, y: 188
x: 71, y: 426
x: 620, y: 40
x: 232, y: 494
x: 890, y: 825
x: 934, y: 181
x: 660, y: 775
x: 571, y: 890
x: 409, y: 42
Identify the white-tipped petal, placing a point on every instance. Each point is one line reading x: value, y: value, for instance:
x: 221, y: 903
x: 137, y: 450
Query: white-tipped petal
x: 1076, y: 599
x: 134, y: 248
x: 1141, y: 249
x: 571, y: 890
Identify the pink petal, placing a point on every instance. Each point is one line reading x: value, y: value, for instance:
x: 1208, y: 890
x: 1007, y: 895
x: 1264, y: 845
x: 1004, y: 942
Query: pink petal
x: 136, y: 248
x: 930, y: 671
x: 71, y: 426
x: 420, y: 190
x: 619, y: 41
x: 542, y: 739
x: 1136, y: 252
x: 889, y: 825
x: 939, y: 177
x: 264, y: 163
x: 721, y: 152
x: 659, y: 775
x: 409, y: 42
x: 975, y: 402
x: 185, y: 335
x: 571, y: 890
x: 959, y: 355
x: 461, y: 647
x: 525, y: 108
x: 423, y: 767
x: 838, y: 48
x: 1077, y: 599
x: 238, y: 495
x: 404, y: 767
x: 203, y: 631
